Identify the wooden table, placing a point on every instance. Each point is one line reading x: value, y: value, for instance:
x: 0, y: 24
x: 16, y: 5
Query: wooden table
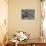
x: 33, y: 42
x: 40, y: 44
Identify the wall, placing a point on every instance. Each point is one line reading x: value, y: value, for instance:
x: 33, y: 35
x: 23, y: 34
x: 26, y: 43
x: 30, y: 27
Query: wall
x: 15, y: 21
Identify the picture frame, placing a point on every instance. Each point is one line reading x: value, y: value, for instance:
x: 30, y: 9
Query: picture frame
x: 28, y: 14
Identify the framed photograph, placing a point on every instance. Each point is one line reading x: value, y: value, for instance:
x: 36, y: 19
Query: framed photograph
x: 28, y: 14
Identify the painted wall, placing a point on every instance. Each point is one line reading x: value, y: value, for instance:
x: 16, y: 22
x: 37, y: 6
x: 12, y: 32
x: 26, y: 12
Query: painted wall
x: 15, y: 21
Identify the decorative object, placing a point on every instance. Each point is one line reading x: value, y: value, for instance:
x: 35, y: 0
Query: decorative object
x: 28, y: 14
x: 20, y: 36
x: 23, y: 36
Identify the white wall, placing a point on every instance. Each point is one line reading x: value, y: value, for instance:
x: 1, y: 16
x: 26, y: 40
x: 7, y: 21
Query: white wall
x: 15, y: 21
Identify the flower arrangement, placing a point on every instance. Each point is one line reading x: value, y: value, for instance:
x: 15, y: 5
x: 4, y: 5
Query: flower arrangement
x: 21, y: 36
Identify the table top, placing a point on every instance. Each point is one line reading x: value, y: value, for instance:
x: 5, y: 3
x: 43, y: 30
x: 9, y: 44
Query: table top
x: 30, y: 41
